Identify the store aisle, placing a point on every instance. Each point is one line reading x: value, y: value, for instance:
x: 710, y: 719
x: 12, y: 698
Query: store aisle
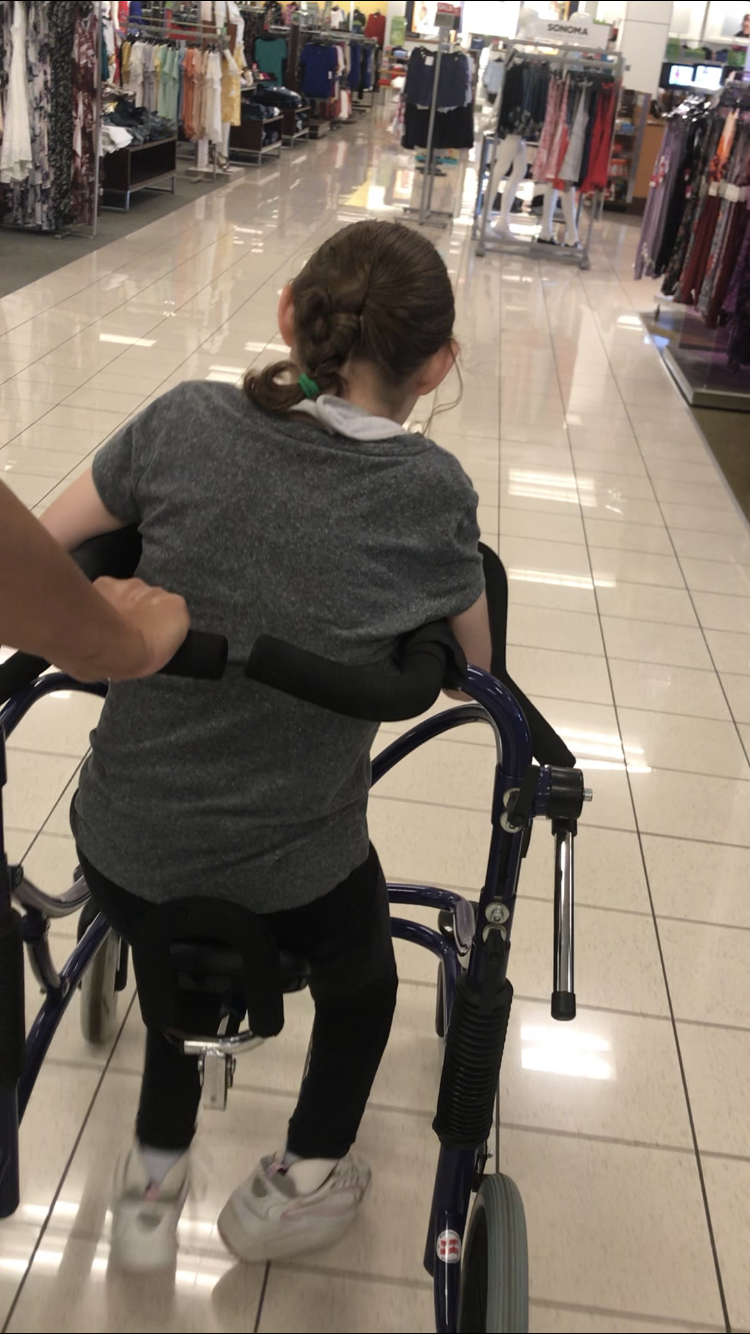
x: 629, y: 565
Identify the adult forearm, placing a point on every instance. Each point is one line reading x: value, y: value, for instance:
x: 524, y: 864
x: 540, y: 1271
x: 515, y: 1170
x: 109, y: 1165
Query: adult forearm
x: 48, y: 607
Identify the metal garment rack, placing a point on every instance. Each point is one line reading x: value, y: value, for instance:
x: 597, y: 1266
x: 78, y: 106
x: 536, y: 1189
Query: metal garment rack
x: 196, y: 32
x: 564, y: 58
x: 333, y: 37
x: 426, y: 213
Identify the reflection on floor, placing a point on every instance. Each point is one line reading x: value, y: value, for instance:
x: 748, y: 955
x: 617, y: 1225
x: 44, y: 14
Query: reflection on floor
x: 728, y: 434
x: 630, y: 626
x: 27, y: 256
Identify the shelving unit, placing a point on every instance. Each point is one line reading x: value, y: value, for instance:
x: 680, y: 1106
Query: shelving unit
x: 138, y: 167
x: 630, y: 125
x: 290, y: 135
x: 246, y: 140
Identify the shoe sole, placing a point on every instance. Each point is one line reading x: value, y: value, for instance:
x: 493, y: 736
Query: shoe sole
x: 252, y: 1250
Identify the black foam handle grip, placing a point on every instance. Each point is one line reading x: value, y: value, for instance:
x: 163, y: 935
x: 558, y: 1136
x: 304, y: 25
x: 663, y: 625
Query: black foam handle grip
x: 12, y: 1017
x: 115, y: 554
x: 548, y: 747
x: 376, y: 694
x: 202, y: 656
x: 18, y: 673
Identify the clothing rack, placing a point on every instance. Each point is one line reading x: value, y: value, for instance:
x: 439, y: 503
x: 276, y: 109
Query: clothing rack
x: 335, y: 37
x: 74, y: 227
x: 192, y: 32
x: 426, y: 213
x: 567, y: 59
x: 695, y: 236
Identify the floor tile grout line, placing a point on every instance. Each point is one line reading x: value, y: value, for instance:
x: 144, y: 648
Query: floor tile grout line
x: 678, y: 1049
x: 718, y: 674
x: 69, y: 1161
x: 653, y: 1322
x: 262, y: 1297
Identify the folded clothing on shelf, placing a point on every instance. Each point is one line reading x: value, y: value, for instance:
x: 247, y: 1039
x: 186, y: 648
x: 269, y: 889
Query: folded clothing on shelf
x: 144, y: 126
x: 257, y: 111
x: 114, y: 137
x: 273, y: 94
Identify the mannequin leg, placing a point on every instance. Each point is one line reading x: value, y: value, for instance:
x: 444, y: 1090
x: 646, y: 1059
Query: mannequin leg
x: 548, y: 213
x: 569, y: 211
x: 511, y: 154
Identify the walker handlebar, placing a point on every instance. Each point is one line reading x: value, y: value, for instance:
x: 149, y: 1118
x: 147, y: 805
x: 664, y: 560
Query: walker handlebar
x: 429, y: 660
x: 202, y: 656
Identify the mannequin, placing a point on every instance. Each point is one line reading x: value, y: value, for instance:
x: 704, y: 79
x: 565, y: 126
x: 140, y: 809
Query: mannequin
x: 567, y: 201
x: 511, y: 152
x: 512, y: 157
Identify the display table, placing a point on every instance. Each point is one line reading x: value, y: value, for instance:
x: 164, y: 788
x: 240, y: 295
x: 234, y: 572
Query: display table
x: 138, y: 167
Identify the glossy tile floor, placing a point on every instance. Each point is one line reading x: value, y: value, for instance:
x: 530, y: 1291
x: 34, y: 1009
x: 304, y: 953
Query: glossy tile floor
x: 629, y: 563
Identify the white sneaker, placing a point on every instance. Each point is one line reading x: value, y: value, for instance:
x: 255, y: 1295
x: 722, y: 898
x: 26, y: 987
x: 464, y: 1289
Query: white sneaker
x: 145, y: 1215
x: 269, y: 1217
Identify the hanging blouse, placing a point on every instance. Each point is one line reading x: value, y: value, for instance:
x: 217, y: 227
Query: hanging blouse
x: 231, y: 113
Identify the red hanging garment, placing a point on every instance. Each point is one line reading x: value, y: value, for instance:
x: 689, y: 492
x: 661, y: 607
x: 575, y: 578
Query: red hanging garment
x: 601, y: 141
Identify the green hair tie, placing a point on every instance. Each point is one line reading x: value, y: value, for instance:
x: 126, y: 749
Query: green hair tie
x: 308, y: 386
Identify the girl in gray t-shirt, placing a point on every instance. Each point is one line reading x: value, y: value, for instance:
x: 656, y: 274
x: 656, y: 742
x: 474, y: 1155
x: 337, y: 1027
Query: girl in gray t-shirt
x: 298, y: 506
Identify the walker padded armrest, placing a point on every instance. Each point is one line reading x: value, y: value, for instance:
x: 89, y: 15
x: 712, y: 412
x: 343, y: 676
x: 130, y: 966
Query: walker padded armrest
x: 548, y: 747
x: 430, y: 659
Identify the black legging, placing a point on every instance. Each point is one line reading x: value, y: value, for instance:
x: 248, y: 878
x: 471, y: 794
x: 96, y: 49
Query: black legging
x: 346, y: 937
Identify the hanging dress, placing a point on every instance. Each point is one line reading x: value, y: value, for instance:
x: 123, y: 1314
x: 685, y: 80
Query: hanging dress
x: 15, y: 154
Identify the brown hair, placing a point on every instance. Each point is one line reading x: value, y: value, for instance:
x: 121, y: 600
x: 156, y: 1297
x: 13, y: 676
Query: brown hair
x: 375, y: 292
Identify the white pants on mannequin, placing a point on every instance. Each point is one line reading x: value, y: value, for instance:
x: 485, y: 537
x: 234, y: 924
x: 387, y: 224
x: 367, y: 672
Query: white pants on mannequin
x: 569, y: 212
x: 511, y: 155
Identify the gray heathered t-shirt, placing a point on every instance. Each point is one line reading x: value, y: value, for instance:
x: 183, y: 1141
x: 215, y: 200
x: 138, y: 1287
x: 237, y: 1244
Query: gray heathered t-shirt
x: 263, y: 524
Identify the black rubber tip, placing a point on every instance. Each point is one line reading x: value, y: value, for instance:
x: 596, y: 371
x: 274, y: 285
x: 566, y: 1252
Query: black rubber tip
x: 563, y: 1006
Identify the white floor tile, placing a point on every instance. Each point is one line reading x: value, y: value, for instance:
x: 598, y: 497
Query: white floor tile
x: 706, y: 969
x: 668, y: 689
x: 667, y: 741
x: 647, y: 641
x: 687, y: 805
x: 573, y: 676
x: 641, y: 602
x: 702, y: 882
x: 717, y: 611
x: 728, y: 1189
x: 537, y: 627
x: 628, y: 536
x: 607, y: 1074
x: 610, y: 567
x: 730, y: 651
x: 623, y: 1227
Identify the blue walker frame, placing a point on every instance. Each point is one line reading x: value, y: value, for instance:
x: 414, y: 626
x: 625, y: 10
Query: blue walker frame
x: 458, y: 1170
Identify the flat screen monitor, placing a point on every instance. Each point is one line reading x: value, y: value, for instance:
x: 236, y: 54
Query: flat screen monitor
x: 681, y: 76
x: 708, y: 77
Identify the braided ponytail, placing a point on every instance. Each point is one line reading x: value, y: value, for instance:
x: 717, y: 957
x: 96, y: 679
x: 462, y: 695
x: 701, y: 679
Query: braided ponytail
x: 375, y: 292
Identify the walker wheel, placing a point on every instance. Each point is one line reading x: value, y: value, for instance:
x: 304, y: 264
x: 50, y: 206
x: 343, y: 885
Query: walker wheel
x: 495, y: 1273
x: 99, y: 993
